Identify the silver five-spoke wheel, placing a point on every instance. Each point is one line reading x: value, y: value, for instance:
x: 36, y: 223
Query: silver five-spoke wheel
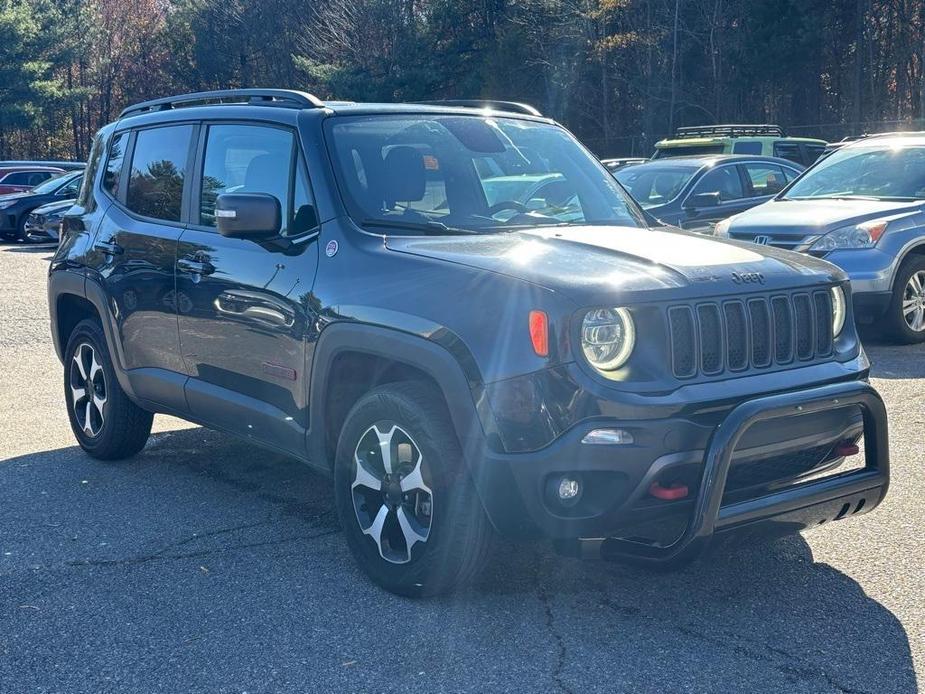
x: 87, y: 382
x: 914, y: 302
x: 393, y: 504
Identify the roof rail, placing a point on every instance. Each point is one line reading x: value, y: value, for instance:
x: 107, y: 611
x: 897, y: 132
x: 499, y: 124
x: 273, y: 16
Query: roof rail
x: 266, y: 97
x: 493, y: 104
x: 729, y: 130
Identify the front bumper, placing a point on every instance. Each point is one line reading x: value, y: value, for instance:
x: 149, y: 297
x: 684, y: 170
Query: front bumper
x: 41, y: 229
x: 871, y: 270
x: 516, y: 491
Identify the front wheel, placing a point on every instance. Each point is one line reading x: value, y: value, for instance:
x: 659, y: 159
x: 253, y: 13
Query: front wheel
x: 409, y: 510
x: 905, y: 317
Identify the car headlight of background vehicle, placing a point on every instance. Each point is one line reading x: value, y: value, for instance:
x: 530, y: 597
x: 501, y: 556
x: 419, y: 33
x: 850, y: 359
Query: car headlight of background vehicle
x: 6, y: 203
x: 839, y: 310
x: 721, y: 228
x: 864, y: 235
x: 607, y: 337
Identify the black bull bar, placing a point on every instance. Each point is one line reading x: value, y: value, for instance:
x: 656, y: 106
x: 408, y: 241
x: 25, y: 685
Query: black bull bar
x: 710, y: 516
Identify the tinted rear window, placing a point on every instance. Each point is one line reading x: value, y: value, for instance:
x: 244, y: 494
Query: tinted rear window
x: 789, y: 150
x: 155, y: 184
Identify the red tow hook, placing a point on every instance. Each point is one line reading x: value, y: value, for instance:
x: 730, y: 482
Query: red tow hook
x: 846, y: 449
x: 674, y: 492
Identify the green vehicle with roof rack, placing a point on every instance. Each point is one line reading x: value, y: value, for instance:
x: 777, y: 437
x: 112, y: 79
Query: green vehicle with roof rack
x: 766, y: 140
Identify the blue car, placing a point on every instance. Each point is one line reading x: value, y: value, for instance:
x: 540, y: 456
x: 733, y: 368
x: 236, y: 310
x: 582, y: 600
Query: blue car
x: 694, y: 193
x: 863, y: 208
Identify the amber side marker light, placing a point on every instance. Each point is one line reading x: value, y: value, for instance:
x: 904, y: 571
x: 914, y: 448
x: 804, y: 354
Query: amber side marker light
x: 539, y: 333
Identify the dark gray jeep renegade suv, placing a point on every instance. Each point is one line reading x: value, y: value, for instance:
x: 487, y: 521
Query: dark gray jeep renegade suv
x: 369, y: 288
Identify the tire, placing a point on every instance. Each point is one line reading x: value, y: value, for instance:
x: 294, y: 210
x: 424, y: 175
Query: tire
x: 908, y: 287
x: 108, y: 426
x: 450, y: 533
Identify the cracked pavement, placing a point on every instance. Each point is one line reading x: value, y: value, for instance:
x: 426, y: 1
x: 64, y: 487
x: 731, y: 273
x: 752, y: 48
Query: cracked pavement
x: 208, y: 565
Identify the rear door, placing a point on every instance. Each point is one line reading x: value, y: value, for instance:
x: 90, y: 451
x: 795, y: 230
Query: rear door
x: 243, y: 305
x: 146, y: 179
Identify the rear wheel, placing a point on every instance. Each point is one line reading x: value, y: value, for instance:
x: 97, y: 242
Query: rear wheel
x: 905, y: 317
x: 105, y: 422
x: 409, y: 510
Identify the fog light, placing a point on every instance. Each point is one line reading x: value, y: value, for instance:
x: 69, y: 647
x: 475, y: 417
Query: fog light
x: 569, y: 489
x: 605, y: 437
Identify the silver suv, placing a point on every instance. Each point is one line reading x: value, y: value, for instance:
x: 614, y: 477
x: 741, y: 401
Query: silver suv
x: 862, y: 208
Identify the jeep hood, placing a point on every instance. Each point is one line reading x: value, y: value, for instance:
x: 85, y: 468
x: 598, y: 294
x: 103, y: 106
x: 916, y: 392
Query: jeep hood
x: 801, y: 218
x: 591, y: 264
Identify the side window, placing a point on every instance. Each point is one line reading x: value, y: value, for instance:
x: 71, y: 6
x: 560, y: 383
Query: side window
x: 764, y: 179
x: 85, y: 196
x: 155, y: 183
x: 723, y: 180
x: 26, y: 178
x: 252, y: 159
x: 70, y: 190
x: 113, y: 172
x: 813, y: 152
x: 788, y: 150
x: 790, y: 174
x: 747, y: 148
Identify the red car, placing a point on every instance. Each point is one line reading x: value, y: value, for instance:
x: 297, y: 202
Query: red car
x: 16, y: 179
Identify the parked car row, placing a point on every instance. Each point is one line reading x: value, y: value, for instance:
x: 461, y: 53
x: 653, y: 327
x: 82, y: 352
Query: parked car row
x: 16, y: 208
x: 859, y: 205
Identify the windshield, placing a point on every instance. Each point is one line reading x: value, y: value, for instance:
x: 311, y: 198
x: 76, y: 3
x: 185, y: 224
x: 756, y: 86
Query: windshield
x: 470, y: 174
x: 893, y: 173
x: 52, y: 184
x: 652, y: 184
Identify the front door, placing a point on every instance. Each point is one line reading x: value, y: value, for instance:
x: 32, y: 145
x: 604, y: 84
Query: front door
x: 243, y: 306
x: 134, y: 254
x: 724, y: 182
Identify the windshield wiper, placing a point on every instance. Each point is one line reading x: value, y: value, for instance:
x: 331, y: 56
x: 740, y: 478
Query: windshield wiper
x: 438, y: 228
x: 834, y: 197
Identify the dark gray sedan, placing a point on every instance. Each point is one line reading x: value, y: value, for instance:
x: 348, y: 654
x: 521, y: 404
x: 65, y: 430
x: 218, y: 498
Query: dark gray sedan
x: 697, y: 192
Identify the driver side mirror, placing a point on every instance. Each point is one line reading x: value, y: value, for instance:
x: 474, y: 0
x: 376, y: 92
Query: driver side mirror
x: 702, y: 200
x: 247, y: 215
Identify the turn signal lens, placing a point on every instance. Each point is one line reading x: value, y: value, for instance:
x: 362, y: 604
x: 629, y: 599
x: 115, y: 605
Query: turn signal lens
x: 539, y: 333
x: 838, y: 310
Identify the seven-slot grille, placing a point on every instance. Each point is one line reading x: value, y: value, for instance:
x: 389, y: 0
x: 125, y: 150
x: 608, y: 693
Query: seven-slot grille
x: 715, y: 337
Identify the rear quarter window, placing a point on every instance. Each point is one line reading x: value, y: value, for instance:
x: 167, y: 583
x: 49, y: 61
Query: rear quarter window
x: 788, y: 150
x: 747, y: 148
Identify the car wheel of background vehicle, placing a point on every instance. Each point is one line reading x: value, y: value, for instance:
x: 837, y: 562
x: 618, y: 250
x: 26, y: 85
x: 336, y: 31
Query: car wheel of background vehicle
x: 105, y: 422
x: 408, y: 507
x: 905, y: 319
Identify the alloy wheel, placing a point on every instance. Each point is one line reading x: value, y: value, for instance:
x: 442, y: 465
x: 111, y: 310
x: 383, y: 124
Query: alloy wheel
x: 914, y: 302
x: 87, y: 382
x: 393, y: 504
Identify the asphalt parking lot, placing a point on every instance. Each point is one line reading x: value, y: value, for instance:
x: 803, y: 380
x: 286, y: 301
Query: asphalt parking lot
x: 206, y: 564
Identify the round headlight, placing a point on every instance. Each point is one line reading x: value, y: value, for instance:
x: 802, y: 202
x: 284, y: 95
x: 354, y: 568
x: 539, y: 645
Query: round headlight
x: 838, y: 310
x: 607, y: 337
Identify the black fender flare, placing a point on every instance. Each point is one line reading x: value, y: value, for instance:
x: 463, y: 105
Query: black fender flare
x: 462, y: 392
x: 63, y: 282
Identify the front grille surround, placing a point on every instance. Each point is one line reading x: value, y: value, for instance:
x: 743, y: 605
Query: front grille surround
x: 720, y: 337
